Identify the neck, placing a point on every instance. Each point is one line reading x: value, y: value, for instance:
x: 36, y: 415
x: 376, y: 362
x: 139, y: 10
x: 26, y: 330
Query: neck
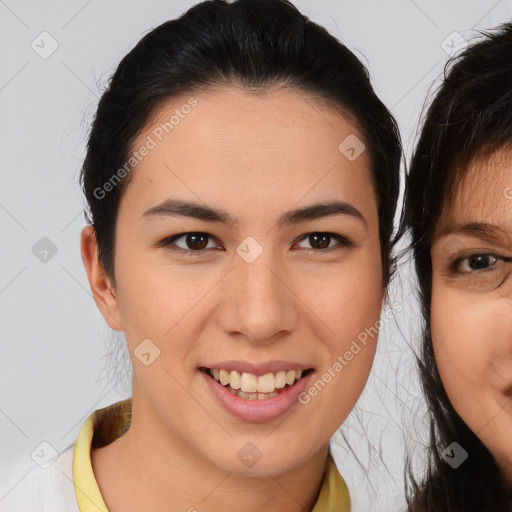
x: 149, y: 469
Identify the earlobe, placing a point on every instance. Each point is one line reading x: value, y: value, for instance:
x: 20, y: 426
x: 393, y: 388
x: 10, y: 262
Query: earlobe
x: 101, y: 286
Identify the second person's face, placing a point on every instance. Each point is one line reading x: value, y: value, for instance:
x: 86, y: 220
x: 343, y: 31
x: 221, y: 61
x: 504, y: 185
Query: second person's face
x: 472, y: 303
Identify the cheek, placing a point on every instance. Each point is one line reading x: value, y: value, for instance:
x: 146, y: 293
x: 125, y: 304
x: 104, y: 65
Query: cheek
x: 158, y: 302
x: 472, y: 341
x: 456, y: 340
x: 350, y: 306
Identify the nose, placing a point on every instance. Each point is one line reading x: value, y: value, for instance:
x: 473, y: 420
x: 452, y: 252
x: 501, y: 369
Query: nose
x: 258, y: 304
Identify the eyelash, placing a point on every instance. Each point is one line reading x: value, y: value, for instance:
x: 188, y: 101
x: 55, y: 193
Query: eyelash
x: 342, y: 242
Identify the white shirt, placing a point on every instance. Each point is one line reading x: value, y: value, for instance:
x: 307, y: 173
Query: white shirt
x: 43, y: 490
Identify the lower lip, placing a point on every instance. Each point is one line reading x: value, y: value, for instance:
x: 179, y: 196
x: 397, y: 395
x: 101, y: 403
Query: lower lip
x: 257, y: 411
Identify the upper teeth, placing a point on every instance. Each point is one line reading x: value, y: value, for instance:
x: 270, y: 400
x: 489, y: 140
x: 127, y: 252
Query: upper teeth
x: 250, y: 383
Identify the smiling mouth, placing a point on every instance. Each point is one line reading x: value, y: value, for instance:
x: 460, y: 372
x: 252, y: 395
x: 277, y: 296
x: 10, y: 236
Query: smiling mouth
x: 253, y: 387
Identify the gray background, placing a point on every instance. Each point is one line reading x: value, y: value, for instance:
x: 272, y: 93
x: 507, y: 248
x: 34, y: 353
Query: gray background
x: 55, y: 367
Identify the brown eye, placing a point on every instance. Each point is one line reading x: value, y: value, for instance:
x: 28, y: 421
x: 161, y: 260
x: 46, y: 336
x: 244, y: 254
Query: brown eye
x: 477, y: 262
x: 190, y: 242
x: 196, y: 241
x: 320, y: 240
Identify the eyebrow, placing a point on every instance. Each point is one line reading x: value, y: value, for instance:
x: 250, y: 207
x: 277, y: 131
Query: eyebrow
x: 173, y: 207
x: 481, y: 230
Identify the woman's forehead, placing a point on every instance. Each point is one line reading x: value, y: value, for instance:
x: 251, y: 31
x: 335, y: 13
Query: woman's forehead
x: 274, y: 147
x: 269, y: 116
x: 482, y: 193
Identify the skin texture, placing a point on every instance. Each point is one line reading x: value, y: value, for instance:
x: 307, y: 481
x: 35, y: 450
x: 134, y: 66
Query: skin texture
x: 472, y: 305
x: 254, y: 156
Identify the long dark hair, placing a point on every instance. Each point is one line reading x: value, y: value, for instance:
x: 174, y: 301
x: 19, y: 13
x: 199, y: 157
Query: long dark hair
x: 253, y: 44
x: 470, y: 117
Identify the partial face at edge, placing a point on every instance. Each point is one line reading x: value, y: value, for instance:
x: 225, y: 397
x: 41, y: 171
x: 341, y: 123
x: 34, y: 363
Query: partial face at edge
x: 472, y: 303
x: 251, y: 292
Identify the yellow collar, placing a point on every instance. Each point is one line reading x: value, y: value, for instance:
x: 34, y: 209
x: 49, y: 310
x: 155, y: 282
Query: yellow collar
x: 105, y: 425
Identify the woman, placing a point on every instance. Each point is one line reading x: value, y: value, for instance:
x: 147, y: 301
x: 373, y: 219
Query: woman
x: 242, y: 178
x: 458, y: 210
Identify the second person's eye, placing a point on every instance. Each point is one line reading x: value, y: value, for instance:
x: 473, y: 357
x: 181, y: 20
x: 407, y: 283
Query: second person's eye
x: 477, y: 262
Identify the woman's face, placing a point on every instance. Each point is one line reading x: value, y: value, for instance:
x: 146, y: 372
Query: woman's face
x: 472, y: 303
x: 248, y: 296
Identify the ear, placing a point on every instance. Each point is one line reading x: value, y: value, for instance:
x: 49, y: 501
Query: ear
x: 102, y: 289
